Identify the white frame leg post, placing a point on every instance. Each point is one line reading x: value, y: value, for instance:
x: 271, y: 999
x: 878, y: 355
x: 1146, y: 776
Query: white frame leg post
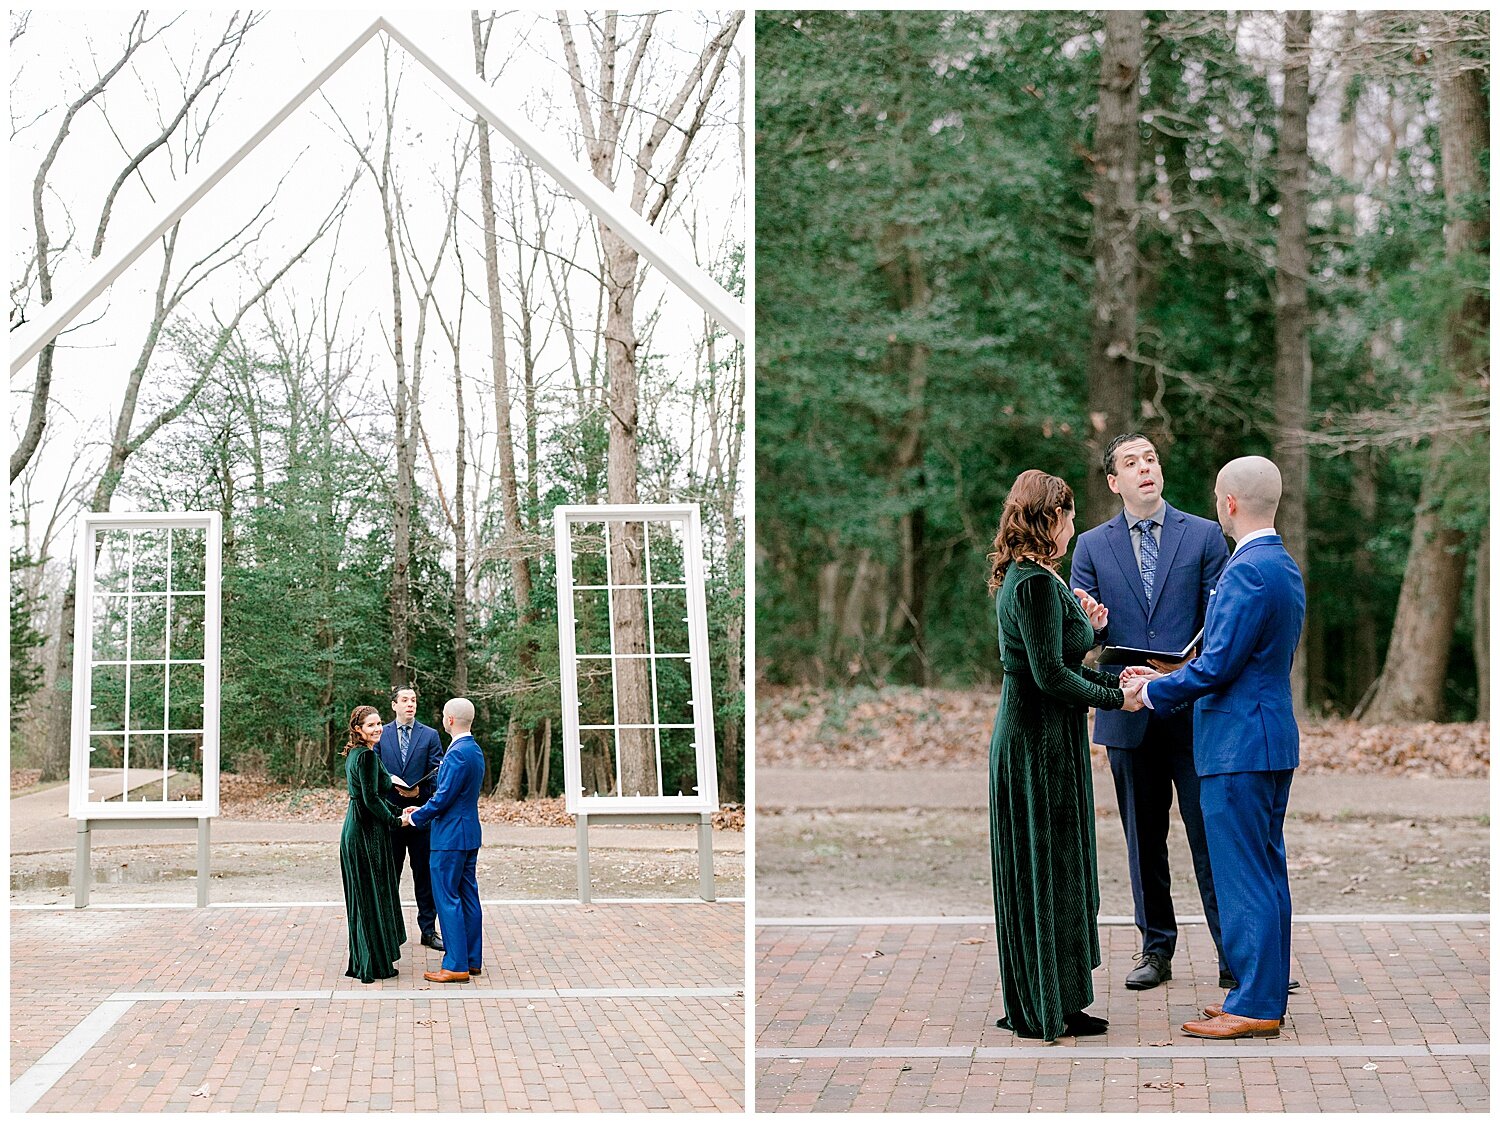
x: 82, y: 866
x: 706, y: 858
x: 203, y: 825
x: 583, y: 859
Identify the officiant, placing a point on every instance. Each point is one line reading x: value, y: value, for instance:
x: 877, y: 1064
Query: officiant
x: 1154, y: 567
x: 411, y: 751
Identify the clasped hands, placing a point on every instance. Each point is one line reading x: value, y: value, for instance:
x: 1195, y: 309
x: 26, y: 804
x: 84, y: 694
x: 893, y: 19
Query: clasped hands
x: 1133, y: 681
x: 406, y: 816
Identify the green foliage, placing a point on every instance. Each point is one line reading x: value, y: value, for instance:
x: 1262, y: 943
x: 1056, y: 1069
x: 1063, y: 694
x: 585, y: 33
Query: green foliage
x: 956, y: 147
x: 26, y: 640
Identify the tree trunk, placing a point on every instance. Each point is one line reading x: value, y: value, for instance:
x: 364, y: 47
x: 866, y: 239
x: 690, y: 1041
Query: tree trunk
x: 1482, y: 623
x: 1293, y: 382
x: 1416, y: 662
x: 1364, y: 641
x: 406, y: 459
x: 1111, y: 401
x: 512, y: 765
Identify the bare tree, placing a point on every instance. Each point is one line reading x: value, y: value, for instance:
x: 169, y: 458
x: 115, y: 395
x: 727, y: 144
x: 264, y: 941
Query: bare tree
x: 606, y: 104
x: 217, y: 65
x: 127, y: 439
x: 512, y: 763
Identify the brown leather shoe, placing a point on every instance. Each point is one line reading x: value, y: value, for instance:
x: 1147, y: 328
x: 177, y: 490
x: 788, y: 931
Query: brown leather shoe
x: 1228, y: 1026
x: 444, y: 976
x: 476, y: 970
x: 1214, y: 1009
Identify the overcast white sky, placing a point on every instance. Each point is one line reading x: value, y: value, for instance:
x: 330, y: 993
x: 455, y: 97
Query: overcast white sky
x: 56, y: 59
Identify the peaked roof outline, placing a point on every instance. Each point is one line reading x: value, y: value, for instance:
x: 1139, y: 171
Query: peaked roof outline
x: 684, y: 273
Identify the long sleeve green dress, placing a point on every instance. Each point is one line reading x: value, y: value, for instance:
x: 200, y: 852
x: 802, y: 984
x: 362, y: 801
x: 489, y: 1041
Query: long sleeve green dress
x: 376, y: 927
x: 1046, y: 875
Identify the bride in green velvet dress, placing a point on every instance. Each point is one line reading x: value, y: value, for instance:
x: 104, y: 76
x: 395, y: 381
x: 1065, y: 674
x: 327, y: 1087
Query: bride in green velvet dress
x: 376, y: 927
x: 1044, y: 859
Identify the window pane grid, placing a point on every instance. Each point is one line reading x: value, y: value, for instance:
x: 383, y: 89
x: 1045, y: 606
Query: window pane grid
x: 148, y: 640
x: 651, y: 651
x: 672, y: 602
x: 614, y: 679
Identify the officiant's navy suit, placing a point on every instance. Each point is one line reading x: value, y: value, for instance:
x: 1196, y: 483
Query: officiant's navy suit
x: 1150, y: 753
x: 453, y: 812
x: 423, y: 751
x: 1247, y: 750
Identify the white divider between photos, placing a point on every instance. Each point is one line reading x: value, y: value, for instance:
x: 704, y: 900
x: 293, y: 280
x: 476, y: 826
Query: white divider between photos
x: 617, y: 806
x: 187, y: 589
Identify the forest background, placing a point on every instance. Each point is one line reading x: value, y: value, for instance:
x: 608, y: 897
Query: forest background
x: 989, y: 241
x: 384, y: 348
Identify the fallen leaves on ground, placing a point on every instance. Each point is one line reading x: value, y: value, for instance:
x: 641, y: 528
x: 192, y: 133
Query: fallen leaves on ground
x: 901, y: 727
x: 249, y: 799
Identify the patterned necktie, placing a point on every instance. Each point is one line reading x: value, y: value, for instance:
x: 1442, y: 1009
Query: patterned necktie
x: 403, y: 732
x: 1148, y: 557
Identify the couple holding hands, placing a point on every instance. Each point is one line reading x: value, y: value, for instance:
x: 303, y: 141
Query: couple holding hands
x: 396, y: 808
x: 1219, y: 729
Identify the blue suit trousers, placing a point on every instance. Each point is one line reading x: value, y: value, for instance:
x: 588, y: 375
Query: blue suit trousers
x: 1243, y: 814
x: 455, y: 892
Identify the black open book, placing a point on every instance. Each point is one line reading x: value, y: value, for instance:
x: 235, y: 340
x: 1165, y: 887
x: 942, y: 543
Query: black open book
x: 400, y: 783
x: 1139, y: 656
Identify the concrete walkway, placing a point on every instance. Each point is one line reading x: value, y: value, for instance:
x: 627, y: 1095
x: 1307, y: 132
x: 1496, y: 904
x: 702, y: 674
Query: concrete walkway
x: 839, y: 789
x: 39, y: 823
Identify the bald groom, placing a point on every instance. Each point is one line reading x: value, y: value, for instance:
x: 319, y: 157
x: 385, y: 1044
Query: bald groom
x: 453, y: 812
x: 1245, y: 746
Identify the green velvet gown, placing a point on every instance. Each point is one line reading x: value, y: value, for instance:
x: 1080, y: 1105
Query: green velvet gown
x: 376, y: 927
x: 1046, y: 875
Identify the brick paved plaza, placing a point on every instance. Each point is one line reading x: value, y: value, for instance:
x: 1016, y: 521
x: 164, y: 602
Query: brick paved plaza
x: 580, y: 1008
x: 1392, y: 1015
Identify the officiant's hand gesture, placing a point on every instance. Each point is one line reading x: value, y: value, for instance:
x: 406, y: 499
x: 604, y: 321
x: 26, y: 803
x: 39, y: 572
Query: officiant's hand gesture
x: 1098, y: 615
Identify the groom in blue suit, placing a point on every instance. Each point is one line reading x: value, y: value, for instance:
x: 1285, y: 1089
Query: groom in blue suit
x: 453, y: 812
x: 1246, y: 745
x: 1153, y: 567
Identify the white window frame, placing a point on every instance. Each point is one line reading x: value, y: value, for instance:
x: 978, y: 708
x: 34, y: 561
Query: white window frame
x: 80, y: 805
x: 706, y: 798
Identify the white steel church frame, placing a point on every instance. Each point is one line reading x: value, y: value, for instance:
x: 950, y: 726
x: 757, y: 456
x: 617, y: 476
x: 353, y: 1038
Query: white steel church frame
x: 704, y: 799
x: 113, y: 643
x: 679, y: 269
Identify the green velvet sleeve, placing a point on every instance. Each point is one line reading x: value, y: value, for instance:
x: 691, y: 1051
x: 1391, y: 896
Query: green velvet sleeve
x: 1102, y: 678
x: 1039, y: 614
x: 369, y: 776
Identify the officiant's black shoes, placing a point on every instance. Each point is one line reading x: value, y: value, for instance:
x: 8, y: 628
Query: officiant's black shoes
x: 1153, y: 971
x: 433, y: 940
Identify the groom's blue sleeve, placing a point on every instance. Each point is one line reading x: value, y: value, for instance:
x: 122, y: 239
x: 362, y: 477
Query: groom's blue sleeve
x: 1227, y: 646
x: 442, y: 798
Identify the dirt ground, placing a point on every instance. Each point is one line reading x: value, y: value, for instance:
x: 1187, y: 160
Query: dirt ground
x: 925, y: 862
x: 287, y: 872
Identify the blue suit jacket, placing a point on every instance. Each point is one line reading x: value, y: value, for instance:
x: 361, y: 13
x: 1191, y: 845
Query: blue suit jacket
x: 1242, y: 682
x: 454, y: 810
x: 426, y: 750
x: 1190, y: 557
